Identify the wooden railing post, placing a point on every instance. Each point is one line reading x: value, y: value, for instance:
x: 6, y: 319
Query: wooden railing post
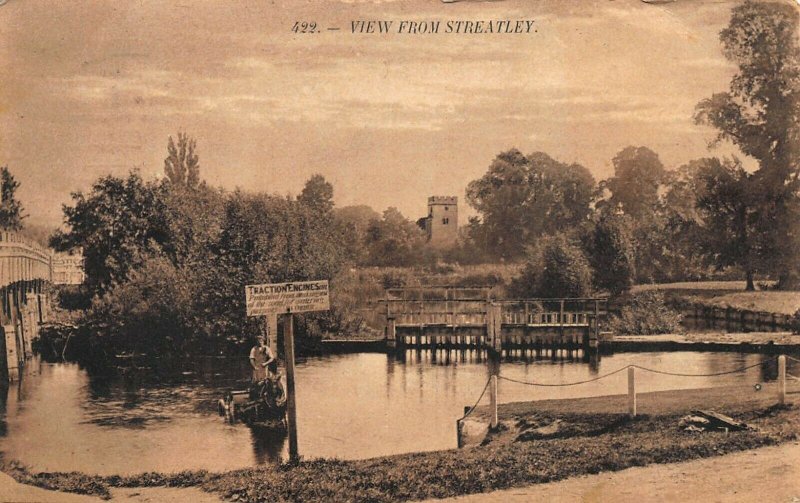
x: 632, y: 391
x: 782, y: 379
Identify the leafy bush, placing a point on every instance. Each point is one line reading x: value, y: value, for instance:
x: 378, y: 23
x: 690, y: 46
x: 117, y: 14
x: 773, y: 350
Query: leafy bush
x: 610, y: 249
x: 555, y: 268
x: 646, y: 313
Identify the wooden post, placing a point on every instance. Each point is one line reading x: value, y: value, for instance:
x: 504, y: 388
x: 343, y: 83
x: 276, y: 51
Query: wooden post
x: 493, y: 400
x: 782, y: 379
x: 291, y: 403
x: 272, y: 332
x: 597, y: 320
x: 632, y: 391
x: 391, y: 333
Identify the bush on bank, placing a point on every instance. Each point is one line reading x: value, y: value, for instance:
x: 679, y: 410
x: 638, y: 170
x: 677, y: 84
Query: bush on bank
x: 646, y: 313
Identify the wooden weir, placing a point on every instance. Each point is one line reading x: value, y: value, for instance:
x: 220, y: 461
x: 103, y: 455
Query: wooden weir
x: 450, y: 318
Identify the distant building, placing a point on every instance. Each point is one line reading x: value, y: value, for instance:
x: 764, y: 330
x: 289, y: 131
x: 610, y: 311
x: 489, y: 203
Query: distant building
x: 67, y: 269
x: 441, y: 224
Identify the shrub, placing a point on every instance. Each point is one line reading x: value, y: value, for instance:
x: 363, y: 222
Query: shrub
x: 610, y: 249
x: 555, y: 268
x: 646, y: 313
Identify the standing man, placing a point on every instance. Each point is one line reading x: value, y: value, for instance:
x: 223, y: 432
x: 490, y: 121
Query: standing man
x: 260, y: 358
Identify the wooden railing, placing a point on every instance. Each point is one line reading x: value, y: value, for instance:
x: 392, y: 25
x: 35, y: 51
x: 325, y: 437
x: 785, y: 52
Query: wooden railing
x: 22, y: 260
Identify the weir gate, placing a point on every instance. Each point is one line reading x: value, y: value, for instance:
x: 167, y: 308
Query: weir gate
x: 432, y: 318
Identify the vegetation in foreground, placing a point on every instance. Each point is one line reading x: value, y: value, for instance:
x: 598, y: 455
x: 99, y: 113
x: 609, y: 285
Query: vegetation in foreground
x: 595, y: 442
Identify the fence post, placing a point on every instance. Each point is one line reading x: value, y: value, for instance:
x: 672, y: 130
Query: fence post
x: 493, y: 400
x: 632, y: 391
x: 782, y: 379
x: 391, y: 333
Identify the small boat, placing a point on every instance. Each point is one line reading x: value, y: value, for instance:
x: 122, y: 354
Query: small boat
x: 262, y: 405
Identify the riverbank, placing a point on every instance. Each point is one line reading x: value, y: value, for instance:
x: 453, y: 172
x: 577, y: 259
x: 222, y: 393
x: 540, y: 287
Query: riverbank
x: 752, y: 342
x: 597, y: 437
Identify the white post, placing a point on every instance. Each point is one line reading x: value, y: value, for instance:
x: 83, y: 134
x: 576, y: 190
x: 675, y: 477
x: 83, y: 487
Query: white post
x: 493, y: 400
x: 782, y: 379
x: 632, y: 391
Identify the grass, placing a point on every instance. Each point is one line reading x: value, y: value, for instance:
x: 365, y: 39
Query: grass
x: 729, y: 294
x: 598, y: 438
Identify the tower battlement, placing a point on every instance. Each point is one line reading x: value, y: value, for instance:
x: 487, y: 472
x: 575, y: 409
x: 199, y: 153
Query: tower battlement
x: 449, y: 200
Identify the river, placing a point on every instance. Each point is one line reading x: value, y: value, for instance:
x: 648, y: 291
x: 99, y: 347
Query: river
x: 59, y: 418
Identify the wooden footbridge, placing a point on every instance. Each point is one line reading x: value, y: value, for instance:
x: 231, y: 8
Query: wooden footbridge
x: 26, y: 269
x: 431, y: 318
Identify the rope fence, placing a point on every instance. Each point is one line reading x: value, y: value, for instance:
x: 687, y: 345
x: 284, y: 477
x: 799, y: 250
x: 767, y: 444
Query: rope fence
x: 491, y: 384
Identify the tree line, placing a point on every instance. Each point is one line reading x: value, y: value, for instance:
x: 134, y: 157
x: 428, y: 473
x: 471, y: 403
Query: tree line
x: 649, y: 224
x: 166, y: 260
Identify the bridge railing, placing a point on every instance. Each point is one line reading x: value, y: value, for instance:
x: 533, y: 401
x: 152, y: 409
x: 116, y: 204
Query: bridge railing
x: 568, y: 312
x: 23, y: 260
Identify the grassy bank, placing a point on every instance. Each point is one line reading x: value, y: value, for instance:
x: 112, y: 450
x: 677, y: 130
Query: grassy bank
x: 596, y: 436
x: 726, y: 294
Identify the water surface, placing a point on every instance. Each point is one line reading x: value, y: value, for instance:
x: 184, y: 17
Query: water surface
x: 59, y: 418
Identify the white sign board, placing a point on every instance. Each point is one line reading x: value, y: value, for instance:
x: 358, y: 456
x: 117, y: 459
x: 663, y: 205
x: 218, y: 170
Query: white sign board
x: 277, y: 298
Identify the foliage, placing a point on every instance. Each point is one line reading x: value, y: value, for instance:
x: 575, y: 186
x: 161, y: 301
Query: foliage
x: 117, y: 223
x: 394, y: 240
x: 150, y: 312
x: 521, y: 198
x: 646, y: 313
x: 555, y: 268
x: 11, y: 211
x: 317, y: 194
x: 638, y: 173
x: 759, y: 115
x: 610, y: 249
x: 182, y: 166
x: 729, y: 221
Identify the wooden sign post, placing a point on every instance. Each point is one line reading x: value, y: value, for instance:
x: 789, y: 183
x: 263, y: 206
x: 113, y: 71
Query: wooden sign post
x: 271, y: 299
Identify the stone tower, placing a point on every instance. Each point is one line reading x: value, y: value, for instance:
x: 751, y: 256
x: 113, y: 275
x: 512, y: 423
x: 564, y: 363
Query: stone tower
x: 442, y: 221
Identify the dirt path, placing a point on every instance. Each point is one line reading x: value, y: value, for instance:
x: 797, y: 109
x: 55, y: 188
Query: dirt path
x: 767, y: 475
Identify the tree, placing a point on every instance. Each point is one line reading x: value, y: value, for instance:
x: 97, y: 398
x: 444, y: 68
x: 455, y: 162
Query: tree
x: 394, y: 240
x: 181, y: 166
x: 759, y: 114
x: 11, y: 211
x: 638, y: 173
x: 354, y: 222
x: 609, y: 246
x: 521, y: 198
x: 727, y: 204
x: 317, y: 194
x: 556, y: 267
x: 118, y: 224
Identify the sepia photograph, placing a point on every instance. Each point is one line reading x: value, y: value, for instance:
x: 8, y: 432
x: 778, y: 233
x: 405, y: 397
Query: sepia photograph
x: 471, y: 251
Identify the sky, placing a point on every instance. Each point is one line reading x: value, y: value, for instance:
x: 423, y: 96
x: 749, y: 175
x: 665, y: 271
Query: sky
x: 93, y: 87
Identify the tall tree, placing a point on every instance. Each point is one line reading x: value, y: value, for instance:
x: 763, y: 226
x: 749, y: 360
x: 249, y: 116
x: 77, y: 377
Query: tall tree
x: 727, y: 203
x: 761, y: 115
x: 317, y: 194
x: 182, y: 166
x: 638, y: 173
x: 11, y: 212
x: 522, y: 197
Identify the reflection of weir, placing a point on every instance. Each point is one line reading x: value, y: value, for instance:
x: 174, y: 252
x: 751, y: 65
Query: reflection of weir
x: 448, y: 357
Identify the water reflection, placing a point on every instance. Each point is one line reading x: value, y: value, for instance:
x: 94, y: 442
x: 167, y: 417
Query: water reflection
x: 349, y: 406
